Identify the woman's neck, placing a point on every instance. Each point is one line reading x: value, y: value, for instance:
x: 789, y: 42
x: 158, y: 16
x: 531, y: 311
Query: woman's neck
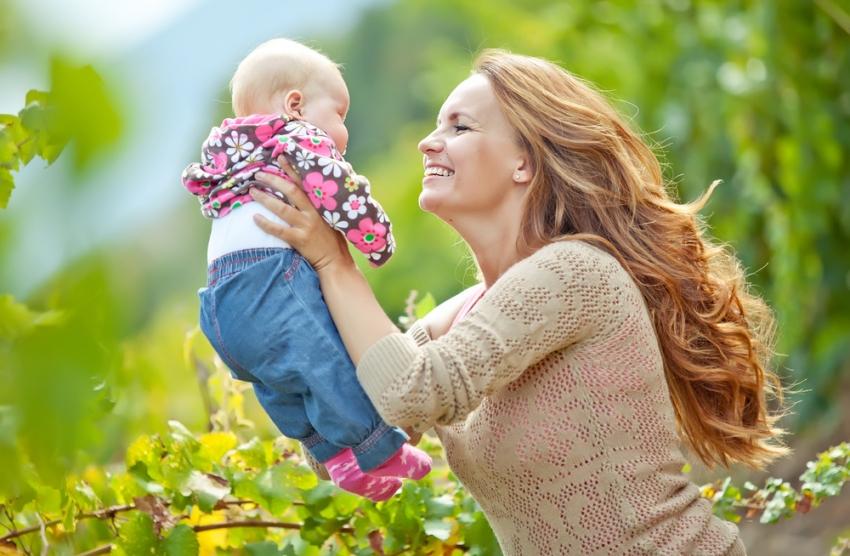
x: 493, y: 241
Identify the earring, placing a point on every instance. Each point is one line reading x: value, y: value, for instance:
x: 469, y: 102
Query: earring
x: 516, y: 177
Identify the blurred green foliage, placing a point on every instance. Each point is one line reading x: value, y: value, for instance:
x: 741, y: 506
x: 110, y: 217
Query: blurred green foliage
x: 754, y: 93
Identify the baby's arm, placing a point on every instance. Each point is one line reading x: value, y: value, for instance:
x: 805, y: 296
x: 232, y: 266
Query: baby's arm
x: 341, y: 196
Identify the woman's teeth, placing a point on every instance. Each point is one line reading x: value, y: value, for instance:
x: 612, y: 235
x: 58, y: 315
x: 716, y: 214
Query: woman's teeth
x: 438, y: 171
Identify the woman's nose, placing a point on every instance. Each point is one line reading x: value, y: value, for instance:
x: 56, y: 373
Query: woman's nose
x: 430, y: 144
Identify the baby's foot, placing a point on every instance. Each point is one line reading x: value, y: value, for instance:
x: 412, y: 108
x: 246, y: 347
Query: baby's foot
x: 346, y: 474
x: 409, y: 462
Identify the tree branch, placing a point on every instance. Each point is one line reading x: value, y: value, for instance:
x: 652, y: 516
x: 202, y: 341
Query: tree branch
x: 109, y: 512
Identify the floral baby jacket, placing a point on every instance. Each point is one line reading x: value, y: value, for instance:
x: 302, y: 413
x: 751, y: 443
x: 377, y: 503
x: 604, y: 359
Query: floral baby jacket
x: 241, y: 147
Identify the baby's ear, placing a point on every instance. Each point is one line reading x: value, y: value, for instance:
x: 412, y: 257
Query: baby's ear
x: 293, y: 103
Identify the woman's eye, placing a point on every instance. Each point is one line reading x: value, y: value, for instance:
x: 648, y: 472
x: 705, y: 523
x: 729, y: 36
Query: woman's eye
x: 459, y: 128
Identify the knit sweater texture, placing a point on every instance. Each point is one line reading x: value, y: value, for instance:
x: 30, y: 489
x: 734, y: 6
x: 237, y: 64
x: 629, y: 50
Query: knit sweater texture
x: 550, y: 400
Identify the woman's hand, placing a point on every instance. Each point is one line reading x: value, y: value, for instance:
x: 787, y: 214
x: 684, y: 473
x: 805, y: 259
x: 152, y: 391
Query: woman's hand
x: 309, y: 234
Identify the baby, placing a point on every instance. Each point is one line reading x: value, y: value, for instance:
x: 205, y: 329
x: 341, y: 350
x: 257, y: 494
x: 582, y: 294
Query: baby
x: 262, y: 309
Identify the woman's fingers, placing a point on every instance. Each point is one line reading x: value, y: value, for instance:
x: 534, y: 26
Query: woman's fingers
x: 285, y: 233
x: 294, y: 193
x: 289, y: 170
x: 282, y: 210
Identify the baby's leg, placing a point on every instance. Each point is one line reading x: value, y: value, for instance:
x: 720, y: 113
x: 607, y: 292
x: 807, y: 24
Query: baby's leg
x: 346, y: 474
x: 335, y: 403
x: 287, y: 412
x: 409, y: 462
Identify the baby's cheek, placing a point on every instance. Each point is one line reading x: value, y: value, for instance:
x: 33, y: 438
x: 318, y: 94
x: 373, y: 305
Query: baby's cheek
x: 341, y: 139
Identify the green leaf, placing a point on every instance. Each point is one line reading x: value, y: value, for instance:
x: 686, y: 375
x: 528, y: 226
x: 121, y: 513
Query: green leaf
x: 252, y: 454
x: 296, y: 546
x: 86, y: 110
x: 136, y: 536
x: 69, y: 517
x: 316, y: 531
x: 36, y: 96
x: 437, y: 528
x: 179, y: 431
x: 181, y: 541
x: 480, y: 538
x: 142, y: 450
x: 441, y: 506
x: 216, y: 444
x: 276, y: 488
x: 207, y: 490
x: 265, y: 548
x: 345, y: 503
x: 8, y: 147
x: 7, y: 184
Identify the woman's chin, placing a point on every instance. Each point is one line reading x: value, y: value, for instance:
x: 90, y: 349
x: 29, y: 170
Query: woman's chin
x: 429, y: 202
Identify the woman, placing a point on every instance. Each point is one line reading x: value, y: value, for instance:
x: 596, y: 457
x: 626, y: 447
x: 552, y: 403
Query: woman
x: 605, y: 327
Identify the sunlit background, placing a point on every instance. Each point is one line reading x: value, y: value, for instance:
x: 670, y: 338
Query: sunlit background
x: 754, y: 93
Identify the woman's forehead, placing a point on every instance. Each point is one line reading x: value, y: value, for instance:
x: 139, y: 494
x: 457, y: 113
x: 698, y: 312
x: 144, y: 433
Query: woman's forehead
x: 473, y: 97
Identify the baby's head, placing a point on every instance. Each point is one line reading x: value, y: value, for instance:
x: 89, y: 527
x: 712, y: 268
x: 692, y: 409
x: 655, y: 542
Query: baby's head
x: 282, y: 76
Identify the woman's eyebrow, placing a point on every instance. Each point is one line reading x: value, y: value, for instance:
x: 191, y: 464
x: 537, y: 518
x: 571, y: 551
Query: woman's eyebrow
x: 455, y: 115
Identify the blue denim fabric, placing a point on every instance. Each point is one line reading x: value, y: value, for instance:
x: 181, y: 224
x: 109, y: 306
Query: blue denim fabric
x: 264, y: 314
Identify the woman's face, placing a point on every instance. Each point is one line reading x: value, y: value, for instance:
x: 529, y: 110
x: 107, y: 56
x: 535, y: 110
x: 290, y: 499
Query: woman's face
x: 471, y: 157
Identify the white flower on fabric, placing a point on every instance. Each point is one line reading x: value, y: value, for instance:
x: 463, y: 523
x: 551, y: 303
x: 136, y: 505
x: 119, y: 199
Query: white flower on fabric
x: 354, y: 206
x: 254, y: 156
x: 335, y: 220
x: 214, y: 139
x: 331, y: 167
x: 238, y: 145
x: 296, y: 127
x: 305, y: 159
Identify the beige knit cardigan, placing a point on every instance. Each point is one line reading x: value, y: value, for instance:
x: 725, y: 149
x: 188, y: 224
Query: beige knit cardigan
x: 550, y: 400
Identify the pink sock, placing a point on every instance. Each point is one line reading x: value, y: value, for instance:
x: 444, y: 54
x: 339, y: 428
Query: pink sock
x: 409, y: 462
x: 346, y: 474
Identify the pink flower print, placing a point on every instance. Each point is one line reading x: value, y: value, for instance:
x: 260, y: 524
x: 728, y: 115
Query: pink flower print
x: 316, y: 144
x: 355, y: 206
x: 279, y: 145
x: 219, y: 163
x: 369, y: 237
x: 266, y: 132
x: 197, y: 187
x: 238, y: 146
x: 321, y: 192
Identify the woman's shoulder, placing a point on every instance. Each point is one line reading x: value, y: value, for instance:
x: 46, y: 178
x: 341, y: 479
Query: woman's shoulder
x: 576, y: 259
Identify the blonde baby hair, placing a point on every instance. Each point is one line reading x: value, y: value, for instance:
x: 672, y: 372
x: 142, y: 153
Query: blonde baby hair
x: 273, y: 68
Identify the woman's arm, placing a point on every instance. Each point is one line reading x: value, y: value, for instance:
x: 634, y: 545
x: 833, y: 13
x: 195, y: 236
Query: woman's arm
x: 358, y: 316
x: 557, y: 297
x: 546, y: 302
x: 356, y: 312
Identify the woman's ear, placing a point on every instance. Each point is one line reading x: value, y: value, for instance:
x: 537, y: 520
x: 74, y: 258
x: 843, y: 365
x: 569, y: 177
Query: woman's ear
x: 522, y: 171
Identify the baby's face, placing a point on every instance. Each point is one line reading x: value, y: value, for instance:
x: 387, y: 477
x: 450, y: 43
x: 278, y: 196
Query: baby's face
x: 326, y: 106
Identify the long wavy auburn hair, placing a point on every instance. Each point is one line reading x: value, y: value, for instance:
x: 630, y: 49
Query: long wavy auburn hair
x: 595, y: 179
